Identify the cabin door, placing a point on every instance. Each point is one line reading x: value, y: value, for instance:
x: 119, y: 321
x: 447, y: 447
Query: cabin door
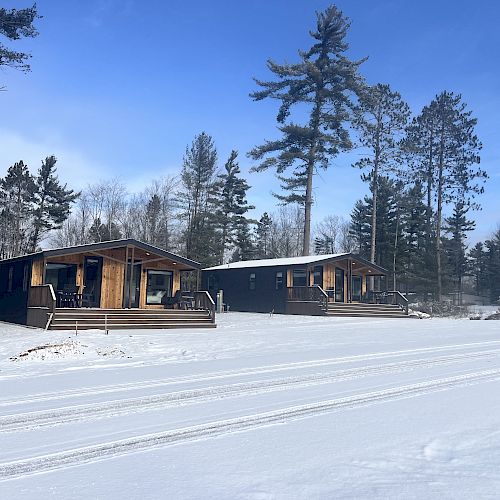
x: 339, y: 285
x: 356, y: 288
x: 92, y: 278
x: 135, y: 290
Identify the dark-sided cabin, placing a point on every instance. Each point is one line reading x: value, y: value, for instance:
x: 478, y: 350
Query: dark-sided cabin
x: 339, y: 284
x: 123, y: 283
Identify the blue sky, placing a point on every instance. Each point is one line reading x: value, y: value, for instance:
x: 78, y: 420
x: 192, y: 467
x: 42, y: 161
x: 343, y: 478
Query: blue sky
x: 119, y: 88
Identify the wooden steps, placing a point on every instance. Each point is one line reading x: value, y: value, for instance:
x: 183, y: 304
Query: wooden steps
x: 365, y: 310
x: 124, y: 319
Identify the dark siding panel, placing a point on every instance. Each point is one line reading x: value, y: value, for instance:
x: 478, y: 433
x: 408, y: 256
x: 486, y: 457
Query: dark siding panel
x: 14, y: 303
x: 235, y: 284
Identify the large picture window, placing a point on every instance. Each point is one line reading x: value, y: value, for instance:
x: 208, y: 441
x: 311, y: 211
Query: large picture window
x: 62, y: 277
x: 159, y: 285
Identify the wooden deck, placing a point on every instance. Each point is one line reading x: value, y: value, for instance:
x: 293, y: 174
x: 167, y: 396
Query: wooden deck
x: 125, y: 319
x: 314, y: 301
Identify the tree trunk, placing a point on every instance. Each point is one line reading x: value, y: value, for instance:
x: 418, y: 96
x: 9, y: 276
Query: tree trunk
x: 429, y: 188
x: 439, y: 216
x: 307, y: 211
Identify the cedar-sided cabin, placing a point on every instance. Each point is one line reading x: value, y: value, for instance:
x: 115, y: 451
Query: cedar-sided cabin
x: 113, y: 284
x: 335, y: 284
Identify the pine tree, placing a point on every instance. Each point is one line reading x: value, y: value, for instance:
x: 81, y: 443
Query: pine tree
x: 445, y: 153
x: 361, y: 228
x: 196, y: 200
x: 413, y: 219
x: 99, y: 232
x: 245, y: 248
x: 477, y: 267
x: 326, y: 81
x: 14, y: 25
x: 263, y: 237
x: 493, y: 266
x: 389, y: 240
x: 18, y: 188
x: 51, y: 202
x: 380, y: 118
x: 231, y: 203
x: 457, y: 225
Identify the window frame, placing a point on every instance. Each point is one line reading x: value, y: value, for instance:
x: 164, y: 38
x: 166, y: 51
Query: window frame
x: 305, y: 275
x: 252, y: 279
x: 148, y: 288
x: 279, y: 280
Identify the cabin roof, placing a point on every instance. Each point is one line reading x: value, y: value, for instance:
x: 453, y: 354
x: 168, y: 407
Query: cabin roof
x: 294, y: 261
x: 106, y: 245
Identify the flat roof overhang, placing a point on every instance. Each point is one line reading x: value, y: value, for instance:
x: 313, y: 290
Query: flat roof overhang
x: 183, y: 263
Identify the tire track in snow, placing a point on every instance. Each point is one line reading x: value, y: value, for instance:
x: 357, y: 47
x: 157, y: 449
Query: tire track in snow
x: 106, y: 409
x: 83, y: 455
x: 93, y: 391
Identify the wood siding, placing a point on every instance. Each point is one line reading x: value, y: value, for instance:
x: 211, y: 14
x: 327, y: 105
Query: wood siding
x: 37, y: 272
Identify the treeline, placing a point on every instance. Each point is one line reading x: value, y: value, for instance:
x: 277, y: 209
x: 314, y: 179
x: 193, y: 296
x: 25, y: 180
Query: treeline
x: 201, y: 213
x: 422, y: 170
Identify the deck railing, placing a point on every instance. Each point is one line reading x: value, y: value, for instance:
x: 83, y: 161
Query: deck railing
x: 41, y: 305
x: 203, y: 300
x: 42, y: 296
x: 308, y: 294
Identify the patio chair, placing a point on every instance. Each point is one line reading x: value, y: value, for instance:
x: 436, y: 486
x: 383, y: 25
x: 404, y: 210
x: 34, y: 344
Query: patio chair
x: 171, y: 302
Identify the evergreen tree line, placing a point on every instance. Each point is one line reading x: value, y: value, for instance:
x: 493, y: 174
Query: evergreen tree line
x: 419, y: 169
x: 201, y: 213
x: 31, y: 206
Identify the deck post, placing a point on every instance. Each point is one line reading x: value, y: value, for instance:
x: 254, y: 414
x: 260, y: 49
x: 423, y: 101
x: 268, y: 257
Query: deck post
x: 131, y: 278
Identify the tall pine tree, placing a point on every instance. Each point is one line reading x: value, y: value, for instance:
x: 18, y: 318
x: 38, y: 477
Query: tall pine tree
x: 195, y: 200
x: 51, y: 202
x: 445, y: 153
x: 325, y: 81
x: 231, y: 203
x: 380, y: 118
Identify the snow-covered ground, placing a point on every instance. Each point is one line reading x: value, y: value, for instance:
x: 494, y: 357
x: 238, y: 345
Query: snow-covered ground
x: 261, y: 407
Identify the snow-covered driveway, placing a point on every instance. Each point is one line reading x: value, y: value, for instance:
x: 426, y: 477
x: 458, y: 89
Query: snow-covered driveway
x: 261, y: 407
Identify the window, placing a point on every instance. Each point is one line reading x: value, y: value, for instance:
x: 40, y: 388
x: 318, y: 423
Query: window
x: 251, y: 281
x: 26, y: 276
x: 212, y: 283
x: 61, y: 276
x: 159, y: 285
x: 318, y: 275
x: 279, y: 280
x: 10, y: 278
x: 299, y: 277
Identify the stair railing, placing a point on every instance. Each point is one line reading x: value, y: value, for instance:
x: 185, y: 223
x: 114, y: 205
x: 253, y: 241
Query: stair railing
x: 203, y: 300
x: 399, y: 299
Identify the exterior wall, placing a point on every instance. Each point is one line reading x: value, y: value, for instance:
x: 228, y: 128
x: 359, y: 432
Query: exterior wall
x: 328, y: 277
x: 113, y: 279
x: 234, y: 283
x: 14, y: 301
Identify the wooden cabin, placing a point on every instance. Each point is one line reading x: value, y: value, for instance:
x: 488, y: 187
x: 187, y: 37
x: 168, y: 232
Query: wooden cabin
x: 336, y: 284
x: 122, y: 283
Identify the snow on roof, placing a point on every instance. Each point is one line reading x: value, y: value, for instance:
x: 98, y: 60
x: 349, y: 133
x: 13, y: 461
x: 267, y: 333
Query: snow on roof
x: 286, y: 261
